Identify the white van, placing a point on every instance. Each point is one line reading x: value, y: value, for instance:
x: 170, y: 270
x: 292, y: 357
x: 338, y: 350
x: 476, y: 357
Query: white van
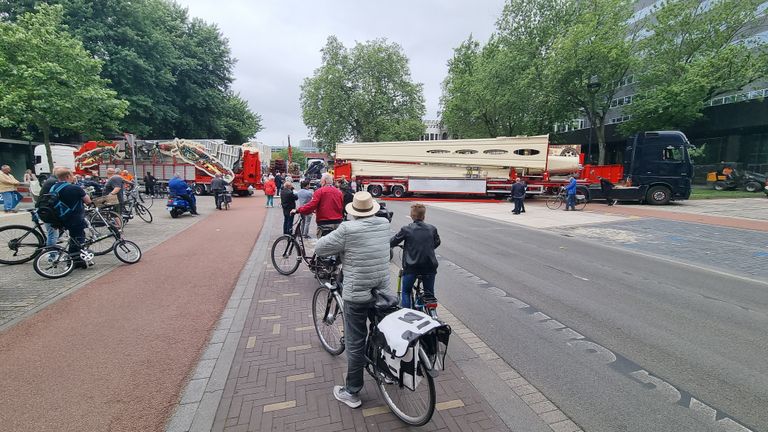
x: 62, y: 156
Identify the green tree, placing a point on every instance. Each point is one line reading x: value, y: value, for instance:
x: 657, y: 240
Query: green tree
x: 238, y: 123
x: 589, y: 57
x: 694, y: 51
x: 298, y: 157
x: 50, y: 81
x: 364, y: 93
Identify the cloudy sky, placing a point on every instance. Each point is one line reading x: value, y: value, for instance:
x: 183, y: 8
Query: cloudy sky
x: 277, y: 44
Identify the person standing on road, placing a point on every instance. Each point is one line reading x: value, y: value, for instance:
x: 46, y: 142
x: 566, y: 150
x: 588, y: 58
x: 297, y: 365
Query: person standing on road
x: 115, y: 186
x: 270, y: 187
x: 288, y: 203
x: 305, y: 196
x: 518, y: 195
x: 8, y: 186
x: 149, y: 184
x: 218, y: 187
x: 607, y: 188
x: 327, y: 201
x: 279, y: 183
x: 75, y: 198
x: 421, y: 240
x: 178, y: 187
x: 346, y: 194
x: 570, y: 191
x: 364, y: 247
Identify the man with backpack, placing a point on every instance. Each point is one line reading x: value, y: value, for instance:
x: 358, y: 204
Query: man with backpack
x: 64, y: 207
x: 51, y: 231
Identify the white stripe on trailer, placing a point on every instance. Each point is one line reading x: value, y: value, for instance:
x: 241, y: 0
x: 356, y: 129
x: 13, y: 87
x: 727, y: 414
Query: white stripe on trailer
x: 476, y: 186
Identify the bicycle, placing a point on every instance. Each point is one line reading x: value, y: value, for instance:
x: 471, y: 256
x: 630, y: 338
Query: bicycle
x: 554, y: 202
x: 420, y: 300
x: 222, y: 199
x: 22, y: 243
x: 286, y: 263
x: 55, y: 262
x: 414, y: 406
x: 133, y: 205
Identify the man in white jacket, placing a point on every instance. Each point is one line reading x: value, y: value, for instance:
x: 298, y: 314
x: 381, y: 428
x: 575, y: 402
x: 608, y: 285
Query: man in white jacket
x: 364, y: 247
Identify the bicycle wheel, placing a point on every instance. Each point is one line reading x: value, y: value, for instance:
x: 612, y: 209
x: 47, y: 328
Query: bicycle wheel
x: 581, y: 203
x: 143, y: 213
x: 286, y: 255
x: 225, y: 204
x: 107, y: 217
x: 19, y: 244
x: 95, y: 237
x: 53, y: 262
x: 328, y: 317
x: 414, y: 407
x: 555, y: 202
x: 146, y: 200
x: 127, y: 251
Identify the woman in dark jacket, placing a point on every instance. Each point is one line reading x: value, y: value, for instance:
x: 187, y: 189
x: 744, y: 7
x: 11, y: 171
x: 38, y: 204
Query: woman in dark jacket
x: 288, y: 202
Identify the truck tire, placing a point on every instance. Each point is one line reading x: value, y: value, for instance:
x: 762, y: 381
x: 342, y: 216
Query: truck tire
x: 375, y: 190
x: 752, y: 186
x: 658, y: 195
x: 398, y: 191
x: 200, y: 189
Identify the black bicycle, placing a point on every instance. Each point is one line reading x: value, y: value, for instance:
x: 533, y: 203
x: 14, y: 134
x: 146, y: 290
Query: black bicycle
x: 289, y: 250
x: 55, y: 262
x: 414, y: 404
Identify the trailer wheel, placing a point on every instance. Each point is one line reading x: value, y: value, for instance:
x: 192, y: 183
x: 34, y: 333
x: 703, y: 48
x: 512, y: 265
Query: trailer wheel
x: 398, y: 191
x: 658, y: 195
x: 200, y: 189
x: 375, y: 190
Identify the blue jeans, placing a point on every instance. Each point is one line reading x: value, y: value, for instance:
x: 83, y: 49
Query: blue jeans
x: 428, y: 283
x: 270, y: 200
x: 355, y: 332
x: 570, y: 201
x: 53, y: 235
x: 9, y: 200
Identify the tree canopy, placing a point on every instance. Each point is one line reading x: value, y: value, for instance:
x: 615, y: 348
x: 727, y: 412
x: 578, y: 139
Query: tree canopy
x: 50, y: 81
x: 174, y: 71
x: 364, y: 93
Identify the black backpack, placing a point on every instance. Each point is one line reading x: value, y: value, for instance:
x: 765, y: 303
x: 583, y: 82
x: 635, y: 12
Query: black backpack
x: 51, y: 209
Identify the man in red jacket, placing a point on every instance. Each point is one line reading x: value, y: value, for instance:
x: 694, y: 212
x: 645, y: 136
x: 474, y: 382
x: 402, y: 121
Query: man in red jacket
x: 327, y: 203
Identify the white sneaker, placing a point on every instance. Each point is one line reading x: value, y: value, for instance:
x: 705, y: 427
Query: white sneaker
x: 342, y: 395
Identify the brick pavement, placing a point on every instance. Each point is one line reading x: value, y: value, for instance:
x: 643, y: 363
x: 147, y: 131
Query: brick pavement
x: 281, y: 379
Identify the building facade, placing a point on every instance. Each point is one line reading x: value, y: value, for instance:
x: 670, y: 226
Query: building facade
x: 434, y: 130
x: 734, y: 127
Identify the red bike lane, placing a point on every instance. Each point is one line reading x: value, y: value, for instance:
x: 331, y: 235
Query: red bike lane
x: 116, y: 354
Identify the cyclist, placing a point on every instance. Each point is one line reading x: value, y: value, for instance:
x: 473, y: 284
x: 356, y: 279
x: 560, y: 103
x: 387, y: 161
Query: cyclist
x: 421, y: 240
x: 327, y: 202
x: 570, y: 190
x: 218, y: 187
x: 73, y: 197
x: 178, y: 187
x: 363, y: 245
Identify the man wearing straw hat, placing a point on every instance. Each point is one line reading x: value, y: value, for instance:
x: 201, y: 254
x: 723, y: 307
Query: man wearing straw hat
x: 363, y: 244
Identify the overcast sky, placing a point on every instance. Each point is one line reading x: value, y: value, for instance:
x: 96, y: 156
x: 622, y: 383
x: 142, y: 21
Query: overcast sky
x: 277, y: 44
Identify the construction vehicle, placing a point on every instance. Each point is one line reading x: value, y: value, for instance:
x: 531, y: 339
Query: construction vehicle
x: 197, y: 161
x: 483, y: 167
x: 728, y: 178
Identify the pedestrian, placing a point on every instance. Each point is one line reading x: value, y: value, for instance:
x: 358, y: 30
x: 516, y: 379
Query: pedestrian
x: 127, y: 176
x: 607, y: 187
x: 52, y: 233
x: 279, y: 183
x: 8, y: 189
x: 570, y: 191
x: 115, y: 186
x: 305, y: 196
x: 74, y: 198
x: 288, y: 203
x: 218, y: 187
x: 346, y: 193
x: 29, y: 177
x: 353, y: 185
x: 149, y: 184
x: 421, y: 240
x: 518, y: 195
x: 363, y: 244
x: 269, y: 190
x: 327, y: 201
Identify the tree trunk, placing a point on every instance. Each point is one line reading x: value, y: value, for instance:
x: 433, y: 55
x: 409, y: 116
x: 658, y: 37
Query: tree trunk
x: 47, y: 141
x: 600, y: 131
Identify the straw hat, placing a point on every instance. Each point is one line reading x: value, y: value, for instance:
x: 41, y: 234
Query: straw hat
x: 363, y: 205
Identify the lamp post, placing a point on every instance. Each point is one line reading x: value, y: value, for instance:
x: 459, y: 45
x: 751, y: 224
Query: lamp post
x: 592, y: 87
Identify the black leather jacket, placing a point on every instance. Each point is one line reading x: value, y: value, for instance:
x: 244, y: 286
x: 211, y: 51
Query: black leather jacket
x: 421, y: 240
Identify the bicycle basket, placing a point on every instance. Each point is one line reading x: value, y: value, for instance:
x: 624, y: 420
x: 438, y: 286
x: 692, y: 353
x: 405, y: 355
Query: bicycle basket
x: 106, y: 200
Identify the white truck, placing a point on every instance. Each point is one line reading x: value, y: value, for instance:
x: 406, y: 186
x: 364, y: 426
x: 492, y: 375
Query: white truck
x: 62, y: 156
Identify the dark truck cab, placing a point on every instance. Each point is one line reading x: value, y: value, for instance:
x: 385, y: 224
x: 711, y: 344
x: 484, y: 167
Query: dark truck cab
x: 657, y: 167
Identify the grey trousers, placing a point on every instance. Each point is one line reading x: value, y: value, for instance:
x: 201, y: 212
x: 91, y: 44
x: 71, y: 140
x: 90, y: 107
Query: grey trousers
x: 355, y: 333
x: 306, y: 221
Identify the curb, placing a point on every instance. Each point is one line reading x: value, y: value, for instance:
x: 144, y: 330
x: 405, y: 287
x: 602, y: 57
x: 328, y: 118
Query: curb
x: 200, y: 399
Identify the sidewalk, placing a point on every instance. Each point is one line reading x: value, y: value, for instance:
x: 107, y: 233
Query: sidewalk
x: 281, y: 378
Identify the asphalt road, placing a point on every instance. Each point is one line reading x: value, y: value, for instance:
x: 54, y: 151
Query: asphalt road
x: 619, y: 341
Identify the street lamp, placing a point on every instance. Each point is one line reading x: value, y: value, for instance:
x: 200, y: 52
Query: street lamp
x: 592, y: 87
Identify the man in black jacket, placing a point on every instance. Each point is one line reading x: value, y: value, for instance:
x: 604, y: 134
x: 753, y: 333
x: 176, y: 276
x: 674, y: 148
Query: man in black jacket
x: 518, y: 195
x: 421, y: 240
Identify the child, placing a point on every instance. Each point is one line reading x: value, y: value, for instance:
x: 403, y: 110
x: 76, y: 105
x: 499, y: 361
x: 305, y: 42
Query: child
x: 421, y: 240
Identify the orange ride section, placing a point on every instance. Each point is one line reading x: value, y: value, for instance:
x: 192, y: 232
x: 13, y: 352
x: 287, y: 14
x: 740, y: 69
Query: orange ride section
x: 115, y: 355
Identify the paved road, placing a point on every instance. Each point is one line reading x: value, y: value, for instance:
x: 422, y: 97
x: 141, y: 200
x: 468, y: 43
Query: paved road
x: 619, y: 341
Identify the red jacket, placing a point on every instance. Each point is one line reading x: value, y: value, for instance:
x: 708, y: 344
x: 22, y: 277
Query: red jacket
x: 270, y: 188
x: 327, y: 202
